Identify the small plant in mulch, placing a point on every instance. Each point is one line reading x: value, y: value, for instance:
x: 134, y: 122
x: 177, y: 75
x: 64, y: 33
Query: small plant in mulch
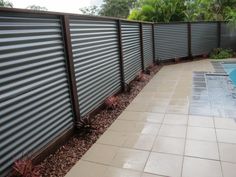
x: 25, y: 168
x: 111, y: 102
x: 127, y: 88
x: 177, y: 60
x: 149, y: 69
x: 205, y: 55
x: 141, y: 77
x: 85, y: 125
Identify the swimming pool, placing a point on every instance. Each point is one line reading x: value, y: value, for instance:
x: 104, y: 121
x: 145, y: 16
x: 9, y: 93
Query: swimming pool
x: 230, y: 69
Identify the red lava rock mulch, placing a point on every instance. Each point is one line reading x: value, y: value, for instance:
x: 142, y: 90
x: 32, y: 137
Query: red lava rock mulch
x: 59, y: 163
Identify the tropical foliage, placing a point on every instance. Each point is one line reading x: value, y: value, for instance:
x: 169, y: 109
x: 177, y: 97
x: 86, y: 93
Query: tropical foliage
x: 158, y: 10
x: 111, y: 8
x: 116, y: 8
x: 90, y: 10
x: 5, y: 3
x: 35, y: 7
x: 183, y: 10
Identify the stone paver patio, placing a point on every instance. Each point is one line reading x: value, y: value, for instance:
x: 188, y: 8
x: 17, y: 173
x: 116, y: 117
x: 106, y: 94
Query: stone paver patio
x: 155, y: 136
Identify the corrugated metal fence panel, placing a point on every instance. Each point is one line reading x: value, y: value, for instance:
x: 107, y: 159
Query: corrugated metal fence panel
x: 171, y: 41
x: 228, y: 36
x: 131, y: 49
x: 147, y: 45
x: 204, y: 38
x: 34, y: 93
x: 96, y: 59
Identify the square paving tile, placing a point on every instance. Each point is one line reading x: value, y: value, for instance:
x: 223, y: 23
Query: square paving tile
x: 135, y: 127
x: 165, y: 89
x: 199, y: 133
x: 179, y: 102
x: 175, y: 119
x: 159, y: 102
x: 101, y: 153
x: 150, y: 175
x: 177, y: 109
x: 225, y: 123
x: 157, y: 109
x: 119, y: 172
x: 130, y: 159
x: 200, y: 121
x: 195, y: 167
x: 229, y: 169
x: 164, y: 95
x: 147, y: 94
x: 83, y: 169
x: 139, y: 141
x: 164, y: 164
x: 141, y: 100
x: 169, y: 145
x: 138, y: 107
x: 202, y: 149
x: 227, y: 152
x: 173, y: 131
x: 226, y: 136
x: 112, y: 138
x: 142, y: 116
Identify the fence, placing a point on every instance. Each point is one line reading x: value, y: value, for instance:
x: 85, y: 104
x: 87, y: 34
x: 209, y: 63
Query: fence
x: 55, y: 68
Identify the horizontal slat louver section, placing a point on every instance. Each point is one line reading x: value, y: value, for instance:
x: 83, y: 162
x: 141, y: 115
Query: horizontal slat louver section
x: 96, y: 60
x: 131, y: 50
x: 204, y: 38
x: 228, y: 36
x: 147, y: 45
x: 34, y: 93
x: 171, y: 41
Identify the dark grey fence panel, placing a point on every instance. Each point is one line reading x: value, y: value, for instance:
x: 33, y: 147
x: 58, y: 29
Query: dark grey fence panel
x: 171, y: 41
x: 34, y: 93
x: 96, y: 61
x: 228, y: 36
x: 204, y: 37
x: 131, y: 49
x: 147, y: 45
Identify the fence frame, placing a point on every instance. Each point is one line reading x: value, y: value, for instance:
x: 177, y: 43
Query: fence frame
x: 121, y: 57
x: 153, y: 44
x: 219, y: 34
x: 70, y: 68
x: 141, y: 46
x: 189, y: 40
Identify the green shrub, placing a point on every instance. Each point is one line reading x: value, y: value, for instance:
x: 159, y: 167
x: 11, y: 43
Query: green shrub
x: 219, y: 53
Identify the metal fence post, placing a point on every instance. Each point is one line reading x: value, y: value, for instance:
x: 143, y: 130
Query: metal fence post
x: 218, y: 34
x: 122, y: 75
x: 70, y: 67
x: 141, y: 45
x: 189, y: 40
x: 153, y: 42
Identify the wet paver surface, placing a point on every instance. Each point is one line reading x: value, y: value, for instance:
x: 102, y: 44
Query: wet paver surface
x: 213, y: 95
x: 173, y: 128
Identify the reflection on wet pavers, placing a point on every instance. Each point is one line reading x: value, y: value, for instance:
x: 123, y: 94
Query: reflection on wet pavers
x: 212, y: 95
x: 218, y: 67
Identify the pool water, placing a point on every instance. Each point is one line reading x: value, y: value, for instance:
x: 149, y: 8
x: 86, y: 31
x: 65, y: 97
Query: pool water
x: 230, y: 69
